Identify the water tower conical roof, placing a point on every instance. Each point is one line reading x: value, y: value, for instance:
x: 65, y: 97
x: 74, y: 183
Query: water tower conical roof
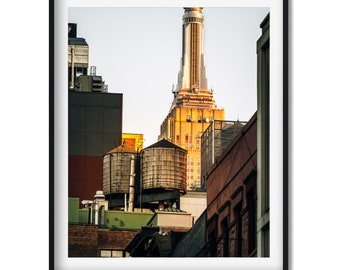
x: 165, y: 144
x: 123, y: 148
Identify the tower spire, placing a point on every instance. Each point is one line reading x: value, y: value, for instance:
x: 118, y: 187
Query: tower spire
x: 192, y: 74
x: 192, y: 79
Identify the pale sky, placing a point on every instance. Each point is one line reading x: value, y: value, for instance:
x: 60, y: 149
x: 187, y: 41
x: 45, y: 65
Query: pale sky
x: 137, y: 51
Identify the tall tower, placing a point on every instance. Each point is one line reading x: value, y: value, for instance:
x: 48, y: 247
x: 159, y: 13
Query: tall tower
x: 193, y: 107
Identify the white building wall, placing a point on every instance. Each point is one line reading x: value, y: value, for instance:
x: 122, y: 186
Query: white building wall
x: 194, y: 203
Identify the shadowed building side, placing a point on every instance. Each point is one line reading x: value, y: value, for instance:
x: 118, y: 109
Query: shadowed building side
x: 231, y: 197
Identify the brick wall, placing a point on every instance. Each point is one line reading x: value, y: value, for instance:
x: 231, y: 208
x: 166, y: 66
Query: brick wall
x: 117, y: 240
x: 88, y: 240
x: 83, y: 241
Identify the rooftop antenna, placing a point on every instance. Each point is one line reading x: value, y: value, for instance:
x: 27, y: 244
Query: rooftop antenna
x: 93, y: 71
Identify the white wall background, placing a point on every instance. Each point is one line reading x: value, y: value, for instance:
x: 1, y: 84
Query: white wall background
x: 314, y: 86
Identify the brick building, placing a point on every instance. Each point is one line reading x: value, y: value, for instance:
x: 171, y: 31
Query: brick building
x: 231, y: 198
x: 93, y: 241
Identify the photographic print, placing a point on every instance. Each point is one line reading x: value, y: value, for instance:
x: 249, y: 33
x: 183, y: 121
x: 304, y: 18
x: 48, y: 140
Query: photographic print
x: 169, y: 135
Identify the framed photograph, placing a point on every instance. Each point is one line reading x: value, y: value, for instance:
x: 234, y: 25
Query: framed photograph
x: 169, y: 134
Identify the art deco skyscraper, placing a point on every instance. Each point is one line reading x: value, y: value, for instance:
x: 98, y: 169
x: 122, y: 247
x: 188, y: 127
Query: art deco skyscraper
x: 193, y: 107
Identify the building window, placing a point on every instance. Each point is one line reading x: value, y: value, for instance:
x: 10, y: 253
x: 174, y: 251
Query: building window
x: 105, y: 253
x: 238, y: 224
x: 117, y: 253
x: 251, y: 202
x: 190, y: 142
x: 198, y: 143
x: 224, y: 240
x: 212, y: 244
x: 186, y: 141
x: 112, y: 253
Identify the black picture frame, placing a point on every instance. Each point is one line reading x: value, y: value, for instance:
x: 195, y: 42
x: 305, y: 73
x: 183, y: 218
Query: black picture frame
x: 54, y: 181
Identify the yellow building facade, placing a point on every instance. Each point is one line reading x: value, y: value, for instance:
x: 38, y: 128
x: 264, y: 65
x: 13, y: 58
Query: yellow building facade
x: 133, y: 140
x: 184, y: 127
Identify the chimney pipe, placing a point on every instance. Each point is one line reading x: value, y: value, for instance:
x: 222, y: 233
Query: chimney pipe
x: 132, y: 184
x: 72, y: 68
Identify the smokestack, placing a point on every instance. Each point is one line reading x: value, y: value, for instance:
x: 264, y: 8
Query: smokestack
x: 132, y: 184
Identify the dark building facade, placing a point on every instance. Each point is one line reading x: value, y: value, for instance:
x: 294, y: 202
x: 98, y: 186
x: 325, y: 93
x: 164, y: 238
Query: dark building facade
x: 231, y: 197
x: 193, y: 243
x: 94, y: 120
x: 95, y: 127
